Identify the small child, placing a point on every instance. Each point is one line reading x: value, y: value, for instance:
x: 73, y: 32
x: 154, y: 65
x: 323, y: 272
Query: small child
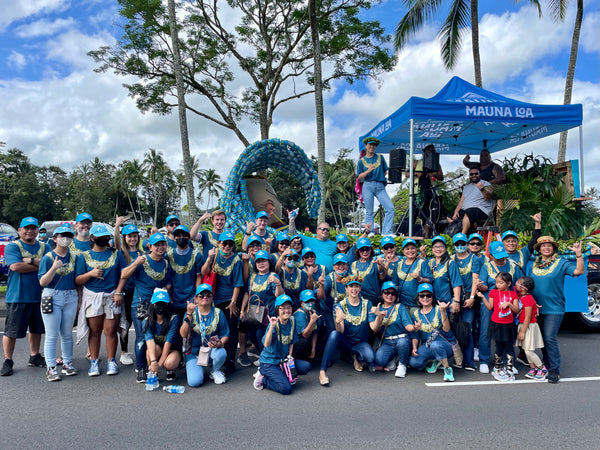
x: 504, y: 302
x: 529, y: 336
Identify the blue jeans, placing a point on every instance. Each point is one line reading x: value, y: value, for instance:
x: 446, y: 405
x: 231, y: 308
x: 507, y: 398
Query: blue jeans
x: 549, y: 325
x: 438, y: 350
x: 140, y: 343
x: 195, y: 373
x: 485, y: 352
x: 467, y: 315
x: 60, y: 322
x: 372, y: 189
x: 391, y: 347
x: 363, y: 351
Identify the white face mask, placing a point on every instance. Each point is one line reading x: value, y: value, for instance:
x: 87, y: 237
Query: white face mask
x: 84, y: 233
x: 64, y: 241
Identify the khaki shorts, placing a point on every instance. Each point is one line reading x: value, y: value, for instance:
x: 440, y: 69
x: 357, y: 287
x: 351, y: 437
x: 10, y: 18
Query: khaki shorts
x: 99, y: 304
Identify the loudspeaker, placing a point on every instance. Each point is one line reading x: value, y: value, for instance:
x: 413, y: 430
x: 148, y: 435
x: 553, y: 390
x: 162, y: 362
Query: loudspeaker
x: 398, y: 159
x: 395, y: 176
x: 431, y: 161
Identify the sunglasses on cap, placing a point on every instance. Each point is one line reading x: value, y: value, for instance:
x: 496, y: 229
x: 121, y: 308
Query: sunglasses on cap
x: 425, y: 296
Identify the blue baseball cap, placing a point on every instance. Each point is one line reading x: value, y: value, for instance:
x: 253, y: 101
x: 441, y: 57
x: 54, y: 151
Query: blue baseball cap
x: 156, y: 238
x: 63, y: 229
x: 261, y: 254
x: 203, y: 288
x: 29, y: 221
x: 341, y: 238
x: 408, y: 241
x: 296, y: 236
x: 252, y: 239
x: 497, y: 250
x: 387, y: 240
x: 99, y: 230
x: 293, y: 252
x: 510, y: 233
x: 307, y: 295
x: 308, y: 250
x: 475, y: 236
x: 227, y: 236
x: 424, y: 287
x: 83, y: 216
x: 281, y: 236
x: 389, y: 285
x: 160, y: 296
x: 182, y: 228
x: 128, y: 229
x: 261, y: 214
x: 340, y: 258
x: 459, y: 237
x: 439, y: 239
x: 363, y: 242
x: 171, y: 217
x: 283, y: 299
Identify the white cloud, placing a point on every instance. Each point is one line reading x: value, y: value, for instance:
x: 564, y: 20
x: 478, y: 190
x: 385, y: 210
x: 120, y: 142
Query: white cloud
x: 72, y: 46
x: 17, y: 60
x: 12, y: 10
x: 44, y: 27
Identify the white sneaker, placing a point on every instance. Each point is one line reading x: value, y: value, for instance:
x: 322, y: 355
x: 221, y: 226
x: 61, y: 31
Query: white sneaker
x: 112, y: 368
x: 256, y: 363
x: 218, y: 377
x: 484, y: 368
x: 400, y: 371
x: 126, y: 359
x: 392, y: 364
x: 476, y: 354
x: 258, y: 382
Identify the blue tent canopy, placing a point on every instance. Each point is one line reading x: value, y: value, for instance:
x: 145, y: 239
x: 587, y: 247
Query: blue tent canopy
x: 464, y: 118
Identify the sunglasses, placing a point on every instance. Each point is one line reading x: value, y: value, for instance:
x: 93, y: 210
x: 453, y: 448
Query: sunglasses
x: 389, y: 292
x: 205, y: 295
x: 425, y: 296
x: 389, y: 247
x: 473, y: 174
x: 286, y: 243
x: 292, y: 258
x: 323, y: 229
x: 475, y: 243
x: 173, y: 224
x: 460, y: 243
x: 364, y: 249
x: 228, y: 244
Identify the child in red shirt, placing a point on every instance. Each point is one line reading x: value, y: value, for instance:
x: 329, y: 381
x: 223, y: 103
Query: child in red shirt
x: 504, y: 303
x: 529, y: 336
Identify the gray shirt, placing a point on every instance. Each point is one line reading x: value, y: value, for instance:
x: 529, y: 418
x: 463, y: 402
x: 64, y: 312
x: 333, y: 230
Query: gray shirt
x: 474, y: 198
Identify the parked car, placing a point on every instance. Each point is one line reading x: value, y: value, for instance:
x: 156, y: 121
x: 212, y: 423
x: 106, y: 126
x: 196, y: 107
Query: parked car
x: 591, y: 318
x: 7, y: 234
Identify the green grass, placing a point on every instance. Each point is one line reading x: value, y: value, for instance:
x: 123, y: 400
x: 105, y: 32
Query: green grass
x: 2, y: 289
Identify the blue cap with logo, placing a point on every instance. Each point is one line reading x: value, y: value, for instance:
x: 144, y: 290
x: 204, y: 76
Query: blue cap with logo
x: 341, y: 238
x: 203, y: 288
x: 262, y: 214
x: 27, y: 221
x: 171, y: 217
x: 424, y: 287
x: 362, y: 243
x: 156, y: 238
x: 307, y: 295
x: 128, y: 229
x: 99, y: 230
x: 261, y: 254
x: 252, y: 239
x: 283, y: 299
x: 408, y: 241
x: 510, y: 233
x: 438, y: 239
x: 281, y: 236
x: 308, y: 250
x: 389, y: 285
x: 83, y: 216
x: 497, y: 250
x: 340, y: 258
x: 458, y: 237
x: 160, y: 295
x: 63, y: 229
x: 475, y: 236
x: 387, y: 240
x: 181, y: 229
x: 227, y: 236
x: 296, y: 236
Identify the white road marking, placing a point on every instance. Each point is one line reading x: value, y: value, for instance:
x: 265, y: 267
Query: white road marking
x: 505, y: 383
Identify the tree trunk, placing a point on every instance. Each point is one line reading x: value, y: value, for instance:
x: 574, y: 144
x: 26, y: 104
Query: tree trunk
x: 475, y: 42
x: 562, y: 144
x: 131, y: 206
x: 183, y: 127
x: 318, y: 81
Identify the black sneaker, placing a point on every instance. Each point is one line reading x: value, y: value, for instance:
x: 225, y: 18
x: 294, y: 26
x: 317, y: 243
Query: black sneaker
x: 553, y: 376
x: 171, y: 375
x: 36, y: 361
x: 141, y: 376
x: 243, y: 360
x: 6, y: 370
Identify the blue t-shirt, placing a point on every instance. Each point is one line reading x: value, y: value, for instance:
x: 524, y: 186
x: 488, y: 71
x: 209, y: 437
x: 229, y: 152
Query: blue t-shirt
x: 378, y: 174
x: 282, y: 336
x: 160, y: 333
x: 521, y: 257
x: 209, y: 240
x: 149, y: 276
x: 466, y: 268
x: 78, y: 247
x: 23, y: 287
x: 64, y: 278
x: 432, y: 321
x: 369, y: 272
x: 111, y: 262
x: 259, y: 285
x: 407, y: 285
x: 396, y: 320
x: 549, y: 285
x: 206, y: 326
x: 302, y: 318
x: 334, y: 293
x: 487, y: 273
x: 444, y: 275
x: 229, y: 276
x: 293, y: 284
x: 356, y: 324
x: 185, y: 269
x: 324, y: 250
x: 130, y: 285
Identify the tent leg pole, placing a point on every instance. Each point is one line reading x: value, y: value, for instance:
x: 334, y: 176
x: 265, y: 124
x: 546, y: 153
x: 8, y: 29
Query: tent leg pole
x: 581, y: 180
x: 411, y: 181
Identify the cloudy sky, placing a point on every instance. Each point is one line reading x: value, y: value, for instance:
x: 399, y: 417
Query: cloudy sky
x: 59, y: 111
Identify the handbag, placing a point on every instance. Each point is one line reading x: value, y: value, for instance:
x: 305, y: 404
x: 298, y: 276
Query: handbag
x: 47, y: 305
x: 255, y: 314
x: 204, y: 356
x: 287, y: 364
x: 211, y: 276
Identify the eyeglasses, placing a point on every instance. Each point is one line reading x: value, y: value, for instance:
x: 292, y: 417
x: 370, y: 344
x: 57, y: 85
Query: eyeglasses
x: 228, y: 244
x: 425, y: 296
x: 389, y: 247
x: 173, y: 224
x: 389, y: 292
x: 323, y: 229
x: 475, y: 243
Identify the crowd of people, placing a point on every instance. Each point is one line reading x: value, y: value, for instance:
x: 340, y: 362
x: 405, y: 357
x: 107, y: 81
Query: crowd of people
x: 284, y: 302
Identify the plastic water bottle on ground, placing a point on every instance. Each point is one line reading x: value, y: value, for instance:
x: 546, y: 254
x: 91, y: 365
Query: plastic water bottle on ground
x: 151, y: 381
x: 174, y: 389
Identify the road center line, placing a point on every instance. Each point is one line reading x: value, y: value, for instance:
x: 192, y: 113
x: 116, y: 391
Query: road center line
x: 506, y: 383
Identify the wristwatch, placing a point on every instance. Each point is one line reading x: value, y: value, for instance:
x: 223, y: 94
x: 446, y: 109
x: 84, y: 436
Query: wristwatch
x: 31, y: 261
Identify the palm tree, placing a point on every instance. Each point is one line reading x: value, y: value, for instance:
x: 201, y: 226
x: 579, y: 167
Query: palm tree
x: 210, y: 181
x: 124, y: 181
x: 180, y: 185
x: 156, y: 170
x: 461, y: 14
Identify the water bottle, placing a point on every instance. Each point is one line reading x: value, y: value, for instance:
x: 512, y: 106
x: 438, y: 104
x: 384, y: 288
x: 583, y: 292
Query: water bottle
x: 174, y: 389
x: 155, y: 384
x: 149, y: 382
x: 294, y: 213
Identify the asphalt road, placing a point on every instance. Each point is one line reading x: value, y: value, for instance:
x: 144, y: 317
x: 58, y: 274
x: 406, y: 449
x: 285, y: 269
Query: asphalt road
x: 358, y: 410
